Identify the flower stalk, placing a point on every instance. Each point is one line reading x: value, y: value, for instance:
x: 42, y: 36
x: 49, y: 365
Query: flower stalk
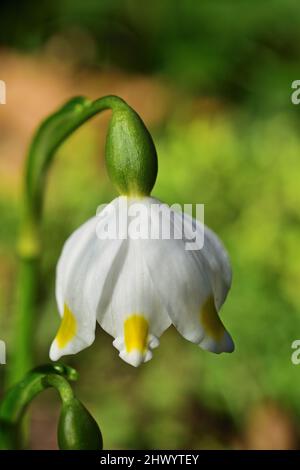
x: 18, y: 397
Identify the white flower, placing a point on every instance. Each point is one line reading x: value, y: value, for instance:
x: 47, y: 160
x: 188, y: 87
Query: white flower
x: 137, y: 287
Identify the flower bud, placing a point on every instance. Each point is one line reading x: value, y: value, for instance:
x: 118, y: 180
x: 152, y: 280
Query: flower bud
x: 77, y: 429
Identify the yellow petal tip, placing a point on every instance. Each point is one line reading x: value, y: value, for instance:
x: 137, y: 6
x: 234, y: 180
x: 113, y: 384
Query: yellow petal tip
x: 136, y: 329
x: 67, y: 329
x: 210, y: 320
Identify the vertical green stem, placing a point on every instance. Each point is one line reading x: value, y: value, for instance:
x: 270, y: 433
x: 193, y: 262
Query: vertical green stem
x: 27, y: 287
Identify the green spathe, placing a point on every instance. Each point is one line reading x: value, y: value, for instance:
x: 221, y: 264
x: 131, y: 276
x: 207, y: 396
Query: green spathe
x: 131, y: 157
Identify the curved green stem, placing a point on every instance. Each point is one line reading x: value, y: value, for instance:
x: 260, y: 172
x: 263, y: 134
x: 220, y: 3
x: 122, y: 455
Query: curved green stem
x: 17, y: 399
x: 61, y: 385
x: 51, y: 134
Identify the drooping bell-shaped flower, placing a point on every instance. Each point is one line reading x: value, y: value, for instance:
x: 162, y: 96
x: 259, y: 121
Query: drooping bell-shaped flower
x: 121, y: 270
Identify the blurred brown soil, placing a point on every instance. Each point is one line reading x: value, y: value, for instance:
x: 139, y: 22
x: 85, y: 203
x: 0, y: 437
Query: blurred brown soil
x: 269, y: 427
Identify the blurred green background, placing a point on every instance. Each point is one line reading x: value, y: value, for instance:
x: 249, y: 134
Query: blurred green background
x: 212, y: 80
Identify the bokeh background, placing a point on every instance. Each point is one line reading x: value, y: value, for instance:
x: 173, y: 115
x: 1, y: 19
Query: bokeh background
x: 212, y: 80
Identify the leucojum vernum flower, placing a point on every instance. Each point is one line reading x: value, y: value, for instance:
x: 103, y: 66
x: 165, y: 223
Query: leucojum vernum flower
x: 135, y: 287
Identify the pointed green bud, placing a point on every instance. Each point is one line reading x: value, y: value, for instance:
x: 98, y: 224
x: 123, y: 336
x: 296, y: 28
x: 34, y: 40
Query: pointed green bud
x: 131, y: 157
x: 77, y: 429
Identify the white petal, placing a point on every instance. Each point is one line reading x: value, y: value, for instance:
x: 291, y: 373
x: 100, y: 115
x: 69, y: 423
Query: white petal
x: 219, y: 272
x: 134, y: 315
x: 214, y: 255
x: 187, y: 281
x: 82, y: 270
